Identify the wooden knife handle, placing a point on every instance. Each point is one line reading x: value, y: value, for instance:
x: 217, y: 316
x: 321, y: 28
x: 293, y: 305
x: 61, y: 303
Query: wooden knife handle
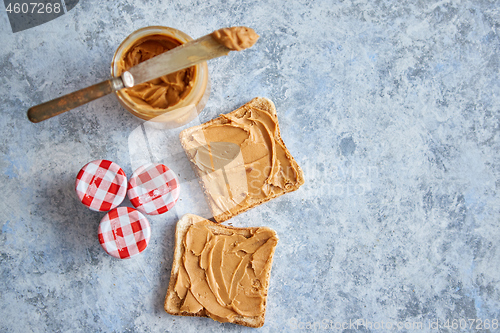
x: 65, y: 103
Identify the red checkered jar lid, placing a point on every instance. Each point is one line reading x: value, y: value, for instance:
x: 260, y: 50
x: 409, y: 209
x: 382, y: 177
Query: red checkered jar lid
x: 101, y: 185
x: 124, y: 232
x: 153, y: 189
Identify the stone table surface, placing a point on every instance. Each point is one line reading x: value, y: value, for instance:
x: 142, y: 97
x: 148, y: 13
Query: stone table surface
x: 391, y: 108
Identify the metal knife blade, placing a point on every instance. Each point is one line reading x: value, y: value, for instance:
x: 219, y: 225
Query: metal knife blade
x: 183, y: 56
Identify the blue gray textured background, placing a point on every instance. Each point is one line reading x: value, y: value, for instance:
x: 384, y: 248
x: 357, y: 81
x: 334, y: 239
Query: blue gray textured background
x: 392, y: 109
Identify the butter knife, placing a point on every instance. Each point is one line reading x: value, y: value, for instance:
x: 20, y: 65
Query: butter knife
x: 183, y: 56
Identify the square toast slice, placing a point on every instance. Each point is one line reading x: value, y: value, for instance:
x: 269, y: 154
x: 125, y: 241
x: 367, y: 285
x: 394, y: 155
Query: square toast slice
x: 221, y: 272
x: 241, y: 160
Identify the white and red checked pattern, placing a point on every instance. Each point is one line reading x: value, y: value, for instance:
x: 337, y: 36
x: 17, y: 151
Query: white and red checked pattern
x: 124, y: 232
x: 153, y: 189
x: 101, y: 185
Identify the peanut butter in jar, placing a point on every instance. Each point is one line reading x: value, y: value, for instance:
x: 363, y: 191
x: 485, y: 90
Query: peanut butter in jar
x: 173, y: 99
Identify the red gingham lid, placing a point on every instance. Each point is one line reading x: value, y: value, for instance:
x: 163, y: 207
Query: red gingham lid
x: 124, y: 232
x: 101, y: 185
x: 153, y: 189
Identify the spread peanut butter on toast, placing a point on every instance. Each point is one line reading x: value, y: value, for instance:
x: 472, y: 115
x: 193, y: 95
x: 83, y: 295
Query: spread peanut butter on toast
x: 241, y: 159
x: 220, y: 272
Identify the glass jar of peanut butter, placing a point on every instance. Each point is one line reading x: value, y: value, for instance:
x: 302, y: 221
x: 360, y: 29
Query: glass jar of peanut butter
x: 172, y: 100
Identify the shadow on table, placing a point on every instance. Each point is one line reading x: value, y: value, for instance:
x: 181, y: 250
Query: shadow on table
x: 66, y: 231
x: 167, y: 255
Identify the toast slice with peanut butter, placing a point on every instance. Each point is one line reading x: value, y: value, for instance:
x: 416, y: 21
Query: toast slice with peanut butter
x: 220, y: 272
x: 241, y: 159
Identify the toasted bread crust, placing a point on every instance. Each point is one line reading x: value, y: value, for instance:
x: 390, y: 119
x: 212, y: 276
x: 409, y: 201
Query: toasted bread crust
x: 173, y: 303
